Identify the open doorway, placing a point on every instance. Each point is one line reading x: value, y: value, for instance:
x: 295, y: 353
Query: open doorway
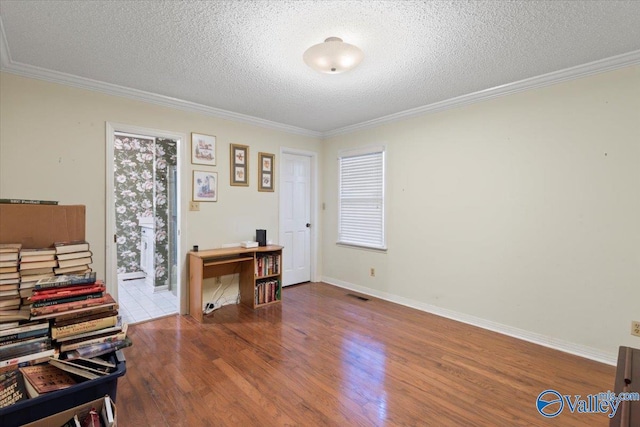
x: 144, y: 216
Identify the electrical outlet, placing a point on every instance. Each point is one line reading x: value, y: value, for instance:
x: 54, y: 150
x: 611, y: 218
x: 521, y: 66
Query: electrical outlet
x: 372, y: 272
x: 635, y: 328
x: 194, y: 206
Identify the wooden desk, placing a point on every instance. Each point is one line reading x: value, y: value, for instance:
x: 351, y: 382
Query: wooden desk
x: 259, y: 270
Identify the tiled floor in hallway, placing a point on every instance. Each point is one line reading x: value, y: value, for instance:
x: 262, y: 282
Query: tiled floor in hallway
x: 138, y: 302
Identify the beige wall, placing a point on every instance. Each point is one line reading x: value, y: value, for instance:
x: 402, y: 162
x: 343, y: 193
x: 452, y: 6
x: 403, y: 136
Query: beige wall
x: 523, y: 210
x: 52, y: 146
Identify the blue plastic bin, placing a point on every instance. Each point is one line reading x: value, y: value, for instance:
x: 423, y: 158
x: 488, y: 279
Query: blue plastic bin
x: 29, y: 410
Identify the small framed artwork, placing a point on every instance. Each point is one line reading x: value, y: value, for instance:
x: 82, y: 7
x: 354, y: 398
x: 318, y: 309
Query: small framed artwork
x: 239, y: 157
x: 266, y: 171
x: 205, y: 186
x: 203, y: 149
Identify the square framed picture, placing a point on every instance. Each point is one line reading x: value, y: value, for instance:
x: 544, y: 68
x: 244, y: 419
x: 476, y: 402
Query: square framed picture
x: 266, y: 171
x: 203, y: 149
x: 239, y: 157
x: 205, y: 186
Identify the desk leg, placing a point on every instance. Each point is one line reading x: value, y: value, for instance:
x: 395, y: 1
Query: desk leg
x: 196, y: 271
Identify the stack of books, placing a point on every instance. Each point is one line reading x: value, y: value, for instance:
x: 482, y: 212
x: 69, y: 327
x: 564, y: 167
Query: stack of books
x: 21, y: 344
x: 35, y: 264
x: 71, y: 334
x: 24, y: 343
x: 267, y: 265
x: 84, y: 317
x: 9, y: 280
x: 73, y: 257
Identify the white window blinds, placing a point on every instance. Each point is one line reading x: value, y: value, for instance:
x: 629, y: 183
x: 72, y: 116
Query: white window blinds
x: 361, y: 198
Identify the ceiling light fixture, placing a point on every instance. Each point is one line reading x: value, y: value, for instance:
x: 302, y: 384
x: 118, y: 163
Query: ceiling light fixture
x: 333, y: 56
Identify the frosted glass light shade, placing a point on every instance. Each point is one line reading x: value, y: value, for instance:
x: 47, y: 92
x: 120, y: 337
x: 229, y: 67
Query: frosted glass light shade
x: 333, y: 56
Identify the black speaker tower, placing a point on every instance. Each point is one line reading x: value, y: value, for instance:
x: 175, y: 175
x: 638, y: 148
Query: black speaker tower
x: 261, y: 237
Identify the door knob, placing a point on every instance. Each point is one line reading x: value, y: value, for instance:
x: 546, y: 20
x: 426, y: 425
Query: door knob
x: 308, y: 225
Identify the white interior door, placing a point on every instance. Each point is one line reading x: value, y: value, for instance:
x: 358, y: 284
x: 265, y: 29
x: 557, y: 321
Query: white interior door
x: 295, y: 211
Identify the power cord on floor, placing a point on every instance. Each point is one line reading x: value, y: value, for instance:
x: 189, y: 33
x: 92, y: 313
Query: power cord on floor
x: 215, y: 303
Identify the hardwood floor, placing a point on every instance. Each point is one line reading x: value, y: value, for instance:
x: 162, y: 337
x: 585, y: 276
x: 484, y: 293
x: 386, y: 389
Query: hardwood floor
x: 326, y: 358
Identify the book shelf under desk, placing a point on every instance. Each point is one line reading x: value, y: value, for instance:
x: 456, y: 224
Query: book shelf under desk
x: 221, y: 262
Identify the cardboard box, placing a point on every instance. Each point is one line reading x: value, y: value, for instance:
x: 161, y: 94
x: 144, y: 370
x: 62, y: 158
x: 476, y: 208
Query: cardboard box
x: 60, y: 418
x: 39, y: 226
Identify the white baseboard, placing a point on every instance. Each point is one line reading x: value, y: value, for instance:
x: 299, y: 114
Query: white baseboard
x: 554, y: 343
x: 132, y: 276
x: 160, y: 288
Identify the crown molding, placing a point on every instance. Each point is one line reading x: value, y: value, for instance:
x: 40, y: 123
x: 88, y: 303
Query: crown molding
x: 572, y: 73
x: 595, y: 67
x: 24, y: 70
x: 151, y: 98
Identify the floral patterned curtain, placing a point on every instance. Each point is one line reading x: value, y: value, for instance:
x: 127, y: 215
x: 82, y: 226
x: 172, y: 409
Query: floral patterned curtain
x: 141, y: 167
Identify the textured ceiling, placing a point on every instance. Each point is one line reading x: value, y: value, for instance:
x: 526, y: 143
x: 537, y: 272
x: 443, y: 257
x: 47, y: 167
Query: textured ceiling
x: 246, y: 56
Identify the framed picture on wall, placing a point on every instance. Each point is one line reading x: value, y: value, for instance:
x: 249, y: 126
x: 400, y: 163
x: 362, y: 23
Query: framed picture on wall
x: 205, y: 186
x: 266, y: 171
x: 239, y: 158
x: 203, y: 149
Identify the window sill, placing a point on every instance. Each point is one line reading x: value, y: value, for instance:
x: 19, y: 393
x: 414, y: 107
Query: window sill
x: 366, y: 248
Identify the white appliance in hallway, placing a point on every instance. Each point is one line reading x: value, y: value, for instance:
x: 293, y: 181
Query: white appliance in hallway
x: 147, y: 248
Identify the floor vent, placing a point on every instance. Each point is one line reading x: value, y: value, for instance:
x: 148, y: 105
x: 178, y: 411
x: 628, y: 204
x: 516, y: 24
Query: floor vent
x: 358, y: 297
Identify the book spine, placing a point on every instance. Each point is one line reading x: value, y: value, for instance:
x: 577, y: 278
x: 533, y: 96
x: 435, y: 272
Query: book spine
x: 10, y: 339
x: 36, y: 361
x: 51, y: 285
x: 73, y: 369
x: 51, y: 294
x: 27, y: 202
x: 119, y: 327
x: 9, y: 325
x: 8, y: 263
x: 87, y: 316
x: 58, y: 301
x: 72, y: 246
x: 71, y: 317
x: 61, y: 308
x: 26, y: 358
x: 78, y: 262
x: 58, y: 314
x: 78, y: 328
x: 99, y: 349
x: 90, y: 279
x: 24, y: 350
x: 24, y: 341
x: 25, y: 328
x: 111, y: 338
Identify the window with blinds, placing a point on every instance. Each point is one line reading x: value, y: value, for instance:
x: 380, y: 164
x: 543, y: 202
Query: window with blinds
x: 361, y: 198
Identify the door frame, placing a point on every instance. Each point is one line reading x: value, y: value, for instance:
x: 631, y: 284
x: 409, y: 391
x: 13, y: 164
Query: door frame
x: 313, y: 209
x: 182, y: 187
